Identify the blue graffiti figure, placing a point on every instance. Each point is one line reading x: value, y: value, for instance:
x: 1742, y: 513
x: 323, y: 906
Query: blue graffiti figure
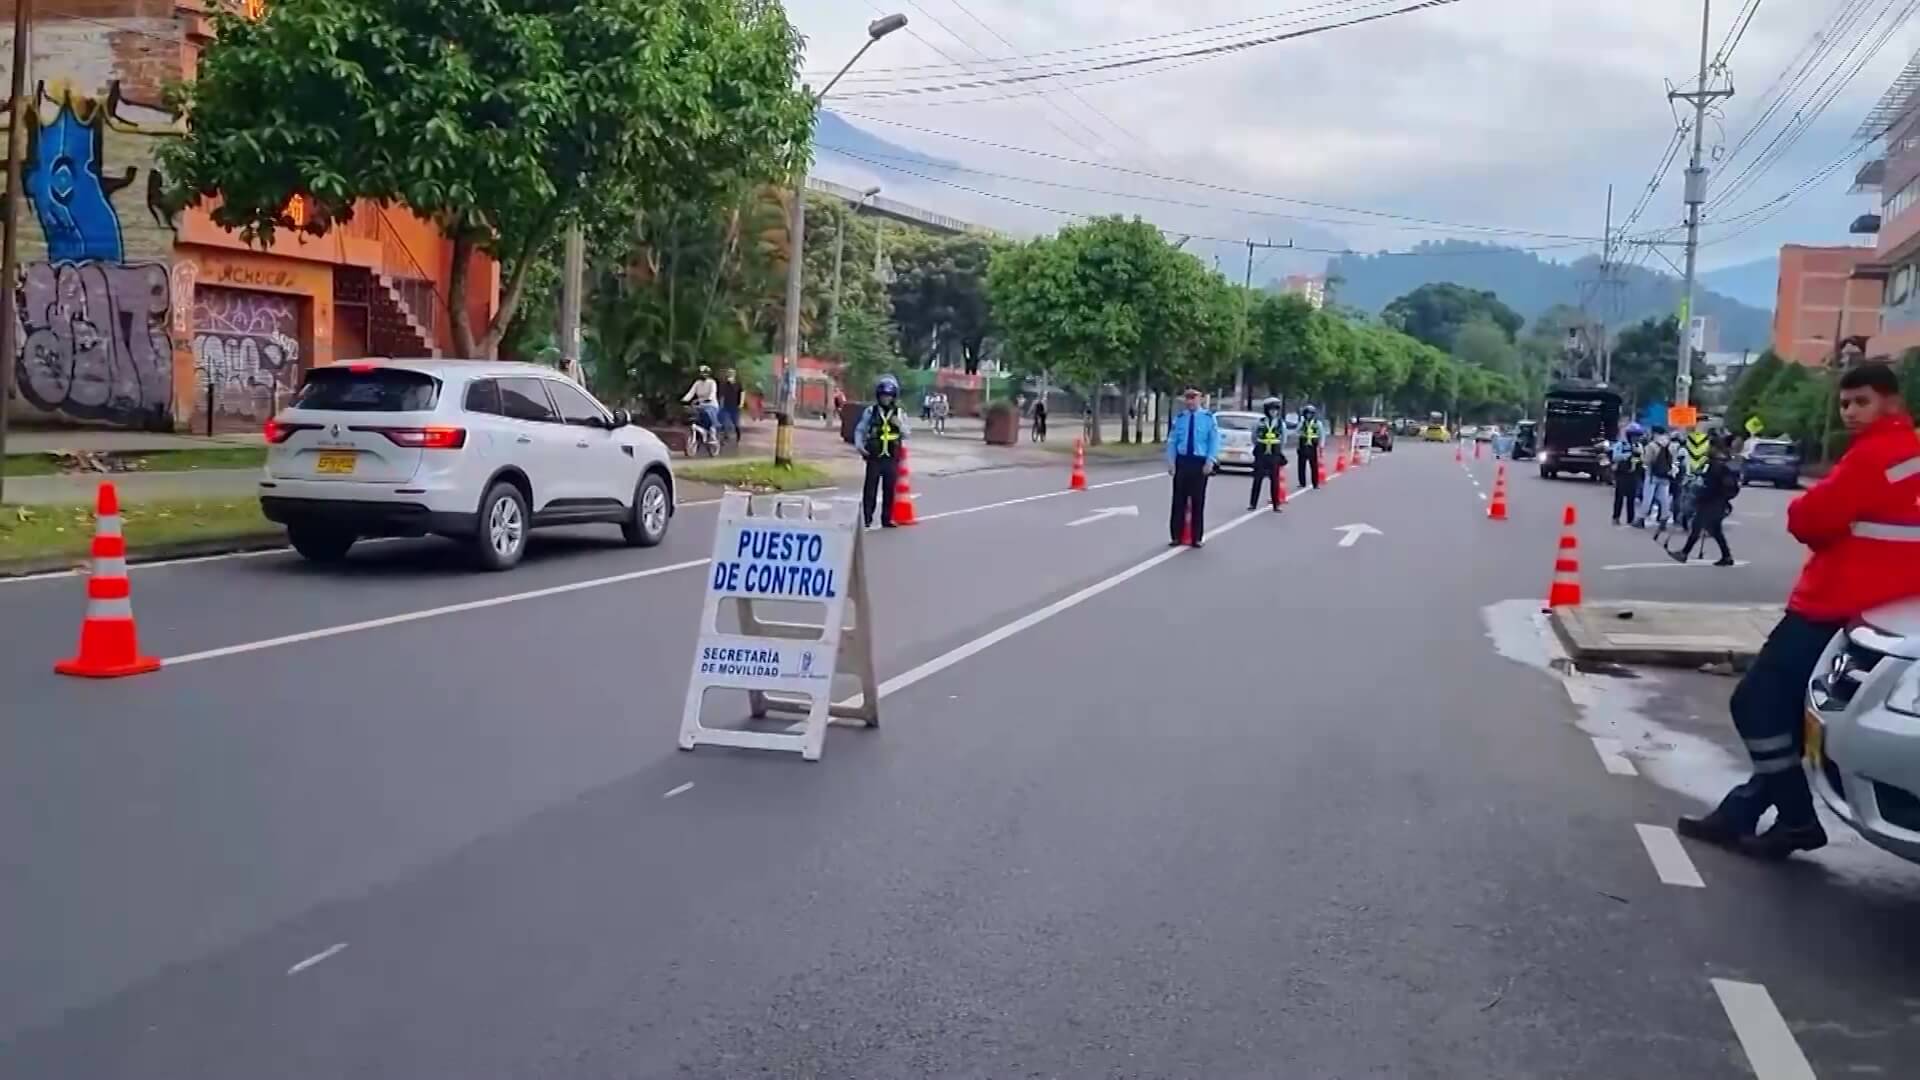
x: 70, y: 194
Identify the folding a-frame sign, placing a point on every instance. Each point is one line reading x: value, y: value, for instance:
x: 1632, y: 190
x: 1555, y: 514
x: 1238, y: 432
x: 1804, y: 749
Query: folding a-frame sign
x: 795, y: 551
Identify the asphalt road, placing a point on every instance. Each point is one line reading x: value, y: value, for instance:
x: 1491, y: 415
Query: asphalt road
x: 1274, y: 808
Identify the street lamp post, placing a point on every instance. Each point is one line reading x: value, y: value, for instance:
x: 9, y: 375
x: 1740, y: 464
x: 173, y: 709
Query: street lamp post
x: 839, y: 257
x: 796, y: 254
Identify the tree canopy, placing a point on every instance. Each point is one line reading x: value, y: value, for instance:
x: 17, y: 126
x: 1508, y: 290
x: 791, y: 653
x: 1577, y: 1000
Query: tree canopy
x: 505, y: 122
x: 1436, y: 313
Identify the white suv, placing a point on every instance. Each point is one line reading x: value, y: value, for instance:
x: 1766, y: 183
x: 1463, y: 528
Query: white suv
x: 469, y: 449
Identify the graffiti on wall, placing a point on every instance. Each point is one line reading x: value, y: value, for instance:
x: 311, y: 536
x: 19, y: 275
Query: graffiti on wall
x: 94, y: 327
x: 94, y: 341
x: 246, y: 350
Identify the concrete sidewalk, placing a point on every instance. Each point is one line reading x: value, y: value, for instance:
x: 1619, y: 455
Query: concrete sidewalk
x: 118, y: 442
x: 213, y: 484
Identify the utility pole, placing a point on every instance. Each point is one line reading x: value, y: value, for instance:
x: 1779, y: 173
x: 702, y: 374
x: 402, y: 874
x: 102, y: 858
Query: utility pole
x: 572, y: 285
x: 1696, y: 194
x: 1605, y: 348
x: 9, y: 247
x: 839, y: 257
x: 1246, y: 298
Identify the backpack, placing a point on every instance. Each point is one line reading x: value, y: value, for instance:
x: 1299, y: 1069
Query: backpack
x: 1662, y: 460
x: 1729, y: 483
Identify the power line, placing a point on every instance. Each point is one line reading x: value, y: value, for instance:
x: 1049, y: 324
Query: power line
x: 1222, y: 188
x: 1196, y: 54
x: 984, y: 193
x: 888, y: 74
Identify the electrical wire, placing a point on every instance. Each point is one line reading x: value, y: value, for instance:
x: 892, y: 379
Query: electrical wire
x: 1222, y: 188
x: 1196, y: 54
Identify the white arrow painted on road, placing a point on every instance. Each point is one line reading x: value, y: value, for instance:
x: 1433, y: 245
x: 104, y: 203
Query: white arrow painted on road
x: 1355, y: 532
x: 1105, y: 513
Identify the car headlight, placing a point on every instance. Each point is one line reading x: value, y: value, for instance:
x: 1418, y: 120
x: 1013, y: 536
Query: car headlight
x: 1905, y: 697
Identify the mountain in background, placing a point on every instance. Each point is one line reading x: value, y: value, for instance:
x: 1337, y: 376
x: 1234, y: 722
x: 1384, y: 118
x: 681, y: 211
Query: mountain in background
x: 1755, y: 283
x: 1530, y: 285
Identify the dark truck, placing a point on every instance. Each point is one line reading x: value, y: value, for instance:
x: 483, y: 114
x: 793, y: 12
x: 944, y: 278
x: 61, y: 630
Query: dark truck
x: 1573, y: 436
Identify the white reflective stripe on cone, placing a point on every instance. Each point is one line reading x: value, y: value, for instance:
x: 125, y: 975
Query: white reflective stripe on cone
x: 1772, y: 744
x: 109, y: 567
x: 1776, y: 764
x: 107, y: 525
x: 110, y: 609
x: 1881, y: 530
x: 1906, y: 470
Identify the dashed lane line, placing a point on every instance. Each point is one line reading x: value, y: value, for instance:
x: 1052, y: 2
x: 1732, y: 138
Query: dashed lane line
x: 323, y: 954
x: 1771, y: 1049
x: 681, y: 790
x: 1670, y: 860
x: 1614, y: 756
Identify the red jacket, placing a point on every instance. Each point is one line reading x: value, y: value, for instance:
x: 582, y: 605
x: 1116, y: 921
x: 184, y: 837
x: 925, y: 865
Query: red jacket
x: 1863, y: 524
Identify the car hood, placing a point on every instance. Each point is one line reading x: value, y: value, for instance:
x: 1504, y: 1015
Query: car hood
x: 1900, y: 622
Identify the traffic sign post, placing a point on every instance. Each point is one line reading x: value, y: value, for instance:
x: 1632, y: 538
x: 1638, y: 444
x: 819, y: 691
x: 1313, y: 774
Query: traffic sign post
x: 793, y: 551
x: 1682, y: 416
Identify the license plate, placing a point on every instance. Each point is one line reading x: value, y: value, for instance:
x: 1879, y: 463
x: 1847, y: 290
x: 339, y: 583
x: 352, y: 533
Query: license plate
x: 335, y: 464
x: 1816, y: 741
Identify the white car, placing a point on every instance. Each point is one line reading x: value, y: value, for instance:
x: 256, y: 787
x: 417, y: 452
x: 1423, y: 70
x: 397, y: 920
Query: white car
x: 1863, y: 728
x: 469, y: 449
x: 1236, y: 439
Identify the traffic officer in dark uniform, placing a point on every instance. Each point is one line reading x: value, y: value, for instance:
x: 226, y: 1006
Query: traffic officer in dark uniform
x: 879, y: 435
x: 1311, y: 432
x: 1268, y: 458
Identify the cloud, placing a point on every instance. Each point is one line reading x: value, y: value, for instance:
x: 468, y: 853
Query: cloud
x: 1512, y: 113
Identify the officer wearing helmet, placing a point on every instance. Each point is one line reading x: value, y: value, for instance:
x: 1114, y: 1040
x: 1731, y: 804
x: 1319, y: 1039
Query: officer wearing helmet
x: 881, y: 432
x: 1311, y: 432
x: 1268, y: 459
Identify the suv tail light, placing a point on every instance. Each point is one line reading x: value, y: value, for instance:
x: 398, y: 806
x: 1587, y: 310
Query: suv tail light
x: 276, y: 432
x: 423, y: 438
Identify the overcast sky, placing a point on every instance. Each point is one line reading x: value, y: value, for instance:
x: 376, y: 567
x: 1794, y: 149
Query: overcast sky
x: 1508, y: 113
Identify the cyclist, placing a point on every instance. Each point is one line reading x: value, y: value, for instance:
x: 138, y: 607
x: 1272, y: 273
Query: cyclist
x: 704, y: 395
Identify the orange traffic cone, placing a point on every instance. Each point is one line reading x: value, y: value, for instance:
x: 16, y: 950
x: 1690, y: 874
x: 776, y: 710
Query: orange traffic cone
x: 903, y: 493
x: 1186, y: 529
x: 109, y: 645
x: 1279, y: 487
x: 1078, y: 481
x: 1566, y: 567
x: 1477, y: 444
x: 1459, y: 454
x: 1497, y: 508
x: 1340, y: 462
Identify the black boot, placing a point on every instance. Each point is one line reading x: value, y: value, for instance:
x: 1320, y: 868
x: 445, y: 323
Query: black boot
x: 1781, y: 841
x: 1714, y: 828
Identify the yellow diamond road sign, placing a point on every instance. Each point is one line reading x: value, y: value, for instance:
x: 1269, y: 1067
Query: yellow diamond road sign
x: 1755, y: 426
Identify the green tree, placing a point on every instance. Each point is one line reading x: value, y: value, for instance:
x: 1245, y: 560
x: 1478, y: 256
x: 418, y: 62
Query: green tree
x: 1436, y: 313
x: 1752, y: 388
x: 1484, y: 345
x: 506, y: 122
x: 939, y: 294
x: 1643, y: 360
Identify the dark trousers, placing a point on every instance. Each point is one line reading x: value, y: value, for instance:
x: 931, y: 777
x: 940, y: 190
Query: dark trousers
x: 1309, y: 465
x: 1626, y: 491
x: 1189, y: 495
x: 1708, y: 521
x: 1266, y: 470
x: 1767, y: 710
x: 882, y: 474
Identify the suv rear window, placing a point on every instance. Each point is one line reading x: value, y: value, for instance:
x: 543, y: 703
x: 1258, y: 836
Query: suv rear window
x: 343, y: 389
x: 1772, y: 450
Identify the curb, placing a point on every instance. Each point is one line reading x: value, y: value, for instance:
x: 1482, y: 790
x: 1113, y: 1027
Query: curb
x: 1676, y: 657
x: 184, y: 549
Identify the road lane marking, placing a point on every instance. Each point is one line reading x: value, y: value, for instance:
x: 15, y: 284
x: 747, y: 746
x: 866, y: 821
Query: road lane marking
x: 1772, y: 1052
x: 681, y: 790
x: 1670, y: 565
x: 1037, y: 498
x: 1034, y: 618
x: 1670, y: 860
x: 427, y: 613
x: 533, y: 594
x: 303, y: 965
x: 1614, y: 756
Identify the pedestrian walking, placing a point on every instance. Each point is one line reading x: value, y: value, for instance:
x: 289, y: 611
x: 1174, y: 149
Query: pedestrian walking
x: 1193, y: 451
x: 1862, y: 525
x: 940, y: 409
x: 1658, y: 491
x: 1268, y: 457
x: 1717, y: 486
x: 730, y: 395
x: 1308, y: 447
x: 1629, y: 472
x: 1040, y: 419
x: 879, y: 434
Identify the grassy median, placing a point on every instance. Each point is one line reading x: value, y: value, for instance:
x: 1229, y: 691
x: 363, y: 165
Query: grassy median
x: 212, y: 457
x: 42, y: 532
x: 761, y: 476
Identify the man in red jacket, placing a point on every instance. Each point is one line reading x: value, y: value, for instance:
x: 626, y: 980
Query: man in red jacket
x: 1862, y: 524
